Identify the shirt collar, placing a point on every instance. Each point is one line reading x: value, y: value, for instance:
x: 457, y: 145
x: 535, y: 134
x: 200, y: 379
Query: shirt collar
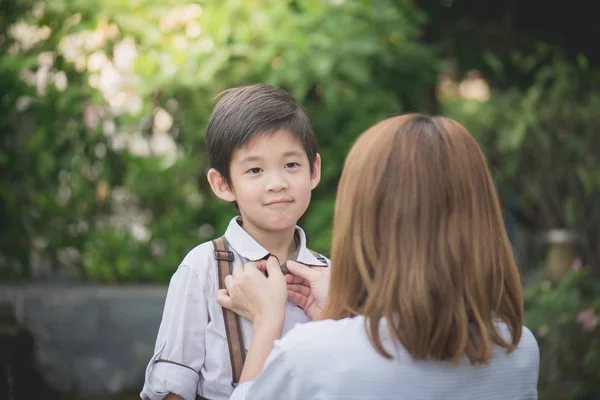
x: 250, y: 249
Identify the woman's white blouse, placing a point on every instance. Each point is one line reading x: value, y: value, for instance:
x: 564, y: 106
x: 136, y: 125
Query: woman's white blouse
x: 331, y: 360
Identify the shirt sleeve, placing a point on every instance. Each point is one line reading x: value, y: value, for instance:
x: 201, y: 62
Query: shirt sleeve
x: 278, y: 379
x: 179, y: 351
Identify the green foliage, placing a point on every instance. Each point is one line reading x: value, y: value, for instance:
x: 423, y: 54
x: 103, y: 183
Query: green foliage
x: 541, y: 138
x: 565, y: 321
x: 103, y: 116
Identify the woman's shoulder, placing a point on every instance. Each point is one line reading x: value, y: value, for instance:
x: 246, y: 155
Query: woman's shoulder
x: 528, y: 346
x: 310, y: 336
x: 527, y: 343
x: 313, y: 339
x: 324, y: 327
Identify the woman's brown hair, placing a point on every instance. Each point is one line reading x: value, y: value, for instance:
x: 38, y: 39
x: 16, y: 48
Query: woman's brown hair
x: 419, y: 240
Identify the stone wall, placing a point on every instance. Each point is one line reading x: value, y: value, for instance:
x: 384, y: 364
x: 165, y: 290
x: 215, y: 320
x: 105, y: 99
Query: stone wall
x: 89, y: 340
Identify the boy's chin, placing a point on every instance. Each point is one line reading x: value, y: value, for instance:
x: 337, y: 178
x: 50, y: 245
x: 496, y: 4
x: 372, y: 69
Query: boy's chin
x: 280, y: 225
x: 276, y: 224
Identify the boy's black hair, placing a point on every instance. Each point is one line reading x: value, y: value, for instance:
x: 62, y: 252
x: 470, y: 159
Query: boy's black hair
x: 244, y: 113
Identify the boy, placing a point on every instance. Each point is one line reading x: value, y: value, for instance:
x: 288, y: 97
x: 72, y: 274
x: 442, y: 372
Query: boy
x: 263, y: 157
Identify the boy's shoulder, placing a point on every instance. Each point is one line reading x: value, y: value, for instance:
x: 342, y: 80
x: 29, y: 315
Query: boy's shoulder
x: 201, y: 258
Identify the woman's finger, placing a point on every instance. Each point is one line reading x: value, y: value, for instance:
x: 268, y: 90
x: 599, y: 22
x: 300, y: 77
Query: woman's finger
x: 273, y: 267
x: 305, y: 291
x: 223, y: 298
x: 291, y: 278
x: 297, y: 298
x: 302, y: 270
x: 228, y: 282
x: 261, y: 265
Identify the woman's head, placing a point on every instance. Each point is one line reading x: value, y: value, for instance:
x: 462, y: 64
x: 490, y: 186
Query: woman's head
x: 419, y: 239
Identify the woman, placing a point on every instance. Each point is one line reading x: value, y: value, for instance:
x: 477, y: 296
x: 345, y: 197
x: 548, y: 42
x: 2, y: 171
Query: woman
x: 424, y: 299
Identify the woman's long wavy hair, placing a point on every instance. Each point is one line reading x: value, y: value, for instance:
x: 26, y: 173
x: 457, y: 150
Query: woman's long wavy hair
x: 419, y: 240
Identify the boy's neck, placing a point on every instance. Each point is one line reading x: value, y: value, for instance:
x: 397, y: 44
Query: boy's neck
x: 280, y: 244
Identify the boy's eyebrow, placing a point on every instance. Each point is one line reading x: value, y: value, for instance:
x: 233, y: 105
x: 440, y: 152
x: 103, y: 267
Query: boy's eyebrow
x: 250, y: 159
x: 254, y: 158
x: 293, y: 153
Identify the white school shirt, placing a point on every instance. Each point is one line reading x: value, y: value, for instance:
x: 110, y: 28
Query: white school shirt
x: 334, y: 360
x: 192, y: 334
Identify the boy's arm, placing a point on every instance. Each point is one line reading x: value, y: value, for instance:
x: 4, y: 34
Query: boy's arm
x: 179, y: 351
x: 172, y: 396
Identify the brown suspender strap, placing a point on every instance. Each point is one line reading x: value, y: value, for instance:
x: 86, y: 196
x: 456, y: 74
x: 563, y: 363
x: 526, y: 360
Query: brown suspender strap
x: 233, y: 328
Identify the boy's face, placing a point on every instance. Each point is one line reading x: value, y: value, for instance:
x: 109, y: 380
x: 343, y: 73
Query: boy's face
x: 271, y: 182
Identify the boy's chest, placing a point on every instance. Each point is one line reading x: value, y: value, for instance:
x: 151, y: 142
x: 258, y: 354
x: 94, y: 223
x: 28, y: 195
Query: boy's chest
x: 216, y: 373
x: 293, y: 315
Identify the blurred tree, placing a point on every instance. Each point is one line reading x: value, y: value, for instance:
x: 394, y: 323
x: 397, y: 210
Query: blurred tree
x: 104, y: 105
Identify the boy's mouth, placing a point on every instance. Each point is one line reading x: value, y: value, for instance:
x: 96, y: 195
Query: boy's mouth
x: 278, y: 202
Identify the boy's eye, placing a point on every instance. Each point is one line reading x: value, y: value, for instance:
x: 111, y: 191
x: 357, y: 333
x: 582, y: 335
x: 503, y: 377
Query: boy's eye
x: 254, y: 170
x: 292, y: 165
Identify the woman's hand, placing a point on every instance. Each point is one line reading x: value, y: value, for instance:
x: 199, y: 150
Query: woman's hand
x: 308, y: 287
x: 260, y: 299
x: 254, y: 296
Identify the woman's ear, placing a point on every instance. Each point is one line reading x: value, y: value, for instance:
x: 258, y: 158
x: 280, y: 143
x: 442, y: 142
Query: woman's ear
x: 219, y: 185
x: 315, y: 177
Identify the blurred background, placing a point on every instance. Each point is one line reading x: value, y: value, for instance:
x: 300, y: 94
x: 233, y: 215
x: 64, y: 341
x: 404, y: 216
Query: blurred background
x: 103, y: 106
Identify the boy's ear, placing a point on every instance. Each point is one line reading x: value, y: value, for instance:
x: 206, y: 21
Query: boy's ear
x: 219, y: 185
x: 316, y: 173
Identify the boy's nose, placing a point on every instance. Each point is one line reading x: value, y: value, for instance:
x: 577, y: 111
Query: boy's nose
x: 276, y: 183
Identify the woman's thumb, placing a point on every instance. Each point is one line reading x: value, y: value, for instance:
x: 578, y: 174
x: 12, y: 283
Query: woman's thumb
x: 301, y: 270
x: 273, y: 266
x: 223, y: 298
